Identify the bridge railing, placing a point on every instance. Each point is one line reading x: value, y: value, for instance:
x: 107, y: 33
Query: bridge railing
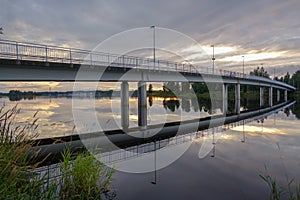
x: 48, y: 53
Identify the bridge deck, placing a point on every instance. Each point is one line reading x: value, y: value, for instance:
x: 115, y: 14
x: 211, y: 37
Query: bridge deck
x: 35, y: 62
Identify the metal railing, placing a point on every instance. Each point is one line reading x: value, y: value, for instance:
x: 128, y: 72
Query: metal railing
x: 47, y: 53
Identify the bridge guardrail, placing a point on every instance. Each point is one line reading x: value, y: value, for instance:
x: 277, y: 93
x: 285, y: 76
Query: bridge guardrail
x: 48, y: 53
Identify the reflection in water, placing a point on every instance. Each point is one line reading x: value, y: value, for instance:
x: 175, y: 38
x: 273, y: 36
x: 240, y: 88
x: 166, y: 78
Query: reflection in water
x: 172, y: 104
x: 231, y: 171
x: 56, y: 118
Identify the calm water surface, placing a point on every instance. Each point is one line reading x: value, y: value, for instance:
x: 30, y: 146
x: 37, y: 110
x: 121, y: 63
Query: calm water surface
x: 272, y: 146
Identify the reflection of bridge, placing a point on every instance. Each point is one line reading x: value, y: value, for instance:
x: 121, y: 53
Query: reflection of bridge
x: 139, y: 150
x: 116, y: 145
x: 34, y: 62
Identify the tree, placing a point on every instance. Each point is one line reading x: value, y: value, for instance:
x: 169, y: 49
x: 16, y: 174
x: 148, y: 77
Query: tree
x: 260, y: 71
x: 295, y: 80
x: 286, y: 78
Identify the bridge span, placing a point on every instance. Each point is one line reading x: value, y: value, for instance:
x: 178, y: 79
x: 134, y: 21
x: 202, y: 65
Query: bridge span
x: 34, y: 62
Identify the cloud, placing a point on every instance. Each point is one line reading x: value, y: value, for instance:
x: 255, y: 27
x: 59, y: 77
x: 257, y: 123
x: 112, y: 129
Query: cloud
x: 264, y: 26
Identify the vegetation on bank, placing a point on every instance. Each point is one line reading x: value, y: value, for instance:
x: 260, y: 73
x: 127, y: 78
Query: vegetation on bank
x: 81, y: 176
x: 278, y: 192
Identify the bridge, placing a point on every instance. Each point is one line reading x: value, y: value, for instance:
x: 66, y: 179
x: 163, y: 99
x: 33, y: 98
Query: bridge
x: 21, y: 61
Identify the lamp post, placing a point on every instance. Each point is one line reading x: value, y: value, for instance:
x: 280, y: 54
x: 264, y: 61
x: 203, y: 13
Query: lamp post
x: 213, y: 58
x: 153, y: 27
x: 1, y: 31
x: 243, y: 66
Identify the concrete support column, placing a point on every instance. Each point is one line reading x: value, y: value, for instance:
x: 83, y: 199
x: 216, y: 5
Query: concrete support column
x: 261, y: 96
x: 237, y: 98
x: 225, y: 98
x: 285, y: 95
x: 124, y: 105
x: 271, y: 96
x: 278, y: 95
x: 142, y: 105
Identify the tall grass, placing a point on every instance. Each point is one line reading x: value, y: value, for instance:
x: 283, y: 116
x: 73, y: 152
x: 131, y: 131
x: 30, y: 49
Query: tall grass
x: 82, y: 177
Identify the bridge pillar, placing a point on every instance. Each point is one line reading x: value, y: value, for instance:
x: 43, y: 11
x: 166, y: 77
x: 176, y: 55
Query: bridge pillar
x: 225, y: 98
x: 278, y: 95
x: 237, y: 98
x: 261, y: 96
x: 271, y: 96
x: 142, y: 105
x: 285, y: 95
x: 124, y: 105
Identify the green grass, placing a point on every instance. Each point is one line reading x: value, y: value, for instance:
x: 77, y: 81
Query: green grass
x: 82, y: 176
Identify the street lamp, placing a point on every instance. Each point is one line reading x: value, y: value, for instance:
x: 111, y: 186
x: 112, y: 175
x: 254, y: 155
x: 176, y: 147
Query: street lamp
x: 1, y: 31
x: 213, y: 58
x: 153, y: 27
x: 243, y: 66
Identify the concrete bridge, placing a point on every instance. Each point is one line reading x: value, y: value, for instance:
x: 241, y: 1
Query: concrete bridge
x: 35, y: 62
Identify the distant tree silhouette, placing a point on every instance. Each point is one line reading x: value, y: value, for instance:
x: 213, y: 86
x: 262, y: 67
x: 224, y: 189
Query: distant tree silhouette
x: 260, y: 71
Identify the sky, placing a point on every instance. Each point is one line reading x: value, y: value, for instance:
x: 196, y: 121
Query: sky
x: 265, y: 32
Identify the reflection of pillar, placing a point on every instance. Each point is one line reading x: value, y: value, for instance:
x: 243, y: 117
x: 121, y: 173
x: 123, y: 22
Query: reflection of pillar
x: 271, y: 96
x: 237, y: 98
x: 124, y: 105
x: 225, y: 98
x: 142, y: 105
x: 261, y: 96
x: 278, y: 95
x: 285, y: 95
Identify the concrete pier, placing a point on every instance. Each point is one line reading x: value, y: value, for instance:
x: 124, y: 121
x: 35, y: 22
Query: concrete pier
x: 285, y: 95
x: 237, y: 98
x: 124, y: 105
x: 261, y: 96
x: 271, y: 96
x: 225, y: 98
x: 142, y: 105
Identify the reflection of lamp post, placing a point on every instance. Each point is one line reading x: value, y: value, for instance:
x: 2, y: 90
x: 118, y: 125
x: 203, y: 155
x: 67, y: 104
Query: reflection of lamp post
x: 213, y: 58
x: 154, y: 182
x: 153, y: 27
x: 244, y: 138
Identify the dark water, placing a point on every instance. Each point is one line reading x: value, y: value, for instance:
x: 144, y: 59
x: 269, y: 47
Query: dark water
x: 271, y: 147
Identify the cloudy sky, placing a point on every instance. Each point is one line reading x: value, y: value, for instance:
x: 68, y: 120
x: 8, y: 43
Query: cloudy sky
x: 264, y: 31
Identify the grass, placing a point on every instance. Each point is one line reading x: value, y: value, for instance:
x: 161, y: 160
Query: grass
x: 279, y: 192
x: 82, y: 176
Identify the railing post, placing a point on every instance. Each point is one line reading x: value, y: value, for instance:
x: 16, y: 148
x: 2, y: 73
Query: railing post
x: 175, y: 66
